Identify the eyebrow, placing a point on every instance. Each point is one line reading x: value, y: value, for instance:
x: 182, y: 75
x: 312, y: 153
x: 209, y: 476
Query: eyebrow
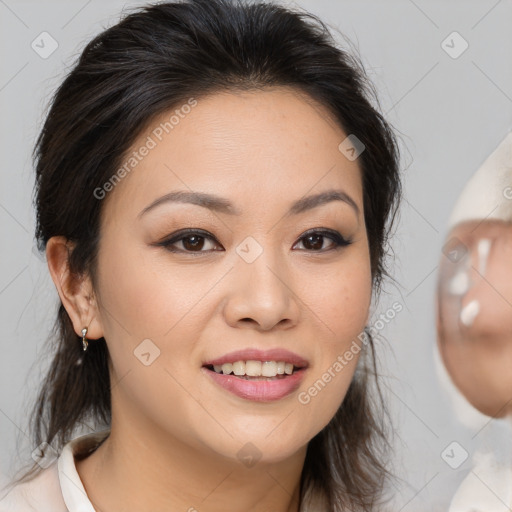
x: 222, y: 205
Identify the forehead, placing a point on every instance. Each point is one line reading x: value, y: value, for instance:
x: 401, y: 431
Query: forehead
x: 260, y: 148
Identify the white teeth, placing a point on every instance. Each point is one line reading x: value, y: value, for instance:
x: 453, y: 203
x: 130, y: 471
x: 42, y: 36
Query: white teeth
x: 254, y: 368
x: 227, y: 368
x: 239, y: 368
x: 269, y: 369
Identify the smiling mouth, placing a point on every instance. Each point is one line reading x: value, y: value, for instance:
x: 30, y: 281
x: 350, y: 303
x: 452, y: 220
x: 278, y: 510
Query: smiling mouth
x: 255, y: 370
x: 257, y: 380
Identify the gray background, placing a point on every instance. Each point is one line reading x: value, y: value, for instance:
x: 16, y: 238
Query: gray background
x: 450, y: 115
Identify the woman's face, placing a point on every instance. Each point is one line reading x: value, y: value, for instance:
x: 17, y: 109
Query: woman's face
x: 247, y: 278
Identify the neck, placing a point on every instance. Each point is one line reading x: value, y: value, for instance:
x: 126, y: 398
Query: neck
x: 131, y: 471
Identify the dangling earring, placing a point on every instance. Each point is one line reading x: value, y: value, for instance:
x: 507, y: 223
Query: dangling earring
x: 84, y: 341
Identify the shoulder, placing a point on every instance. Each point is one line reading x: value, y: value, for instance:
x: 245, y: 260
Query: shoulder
x: 58, y: 487
x: 41, y: 494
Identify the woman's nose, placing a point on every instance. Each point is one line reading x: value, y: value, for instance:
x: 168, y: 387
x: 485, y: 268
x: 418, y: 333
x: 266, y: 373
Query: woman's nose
x: 262, y: 290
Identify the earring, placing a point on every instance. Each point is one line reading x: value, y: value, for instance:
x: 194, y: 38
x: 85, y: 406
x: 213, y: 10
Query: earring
x: 84, y: 341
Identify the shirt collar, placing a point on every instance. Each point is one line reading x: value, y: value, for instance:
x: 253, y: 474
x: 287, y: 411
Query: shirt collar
x: 73, y: 491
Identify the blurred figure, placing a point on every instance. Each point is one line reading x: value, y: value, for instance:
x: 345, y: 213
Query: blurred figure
x: 474, y: 312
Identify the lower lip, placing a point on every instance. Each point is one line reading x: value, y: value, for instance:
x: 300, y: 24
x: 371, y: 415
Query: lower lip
x: 258, y: 390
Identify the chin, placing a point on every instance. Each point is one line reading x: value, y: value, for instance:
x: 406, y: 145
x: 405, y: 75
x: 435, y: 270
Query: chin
x: 266, y: 442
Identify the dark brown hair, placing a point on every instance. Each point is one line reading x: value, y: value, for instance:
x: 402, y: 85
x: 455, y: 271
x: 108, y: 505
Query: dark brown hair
x: 153, y: 60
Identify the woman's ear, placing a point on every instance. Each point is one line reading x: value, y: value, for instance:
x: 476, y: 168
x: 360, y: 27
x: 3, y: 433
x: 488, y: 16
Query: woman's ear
x: 76, y: 292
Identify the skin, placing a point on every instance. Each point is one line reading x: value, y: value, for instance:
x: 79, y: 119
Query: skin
x: 478, y: 356
x: 175, y: 434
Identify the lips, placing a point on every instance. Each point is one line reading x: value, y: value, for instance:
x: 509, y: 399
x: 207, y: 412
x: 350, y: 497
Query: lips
x: 258, y: 389
x: 277, y: 354
x: 263, y: 390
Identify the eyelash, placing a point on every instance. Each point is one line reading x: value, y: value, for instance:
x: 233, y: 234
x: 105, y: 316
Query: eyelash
x: 338, y: 240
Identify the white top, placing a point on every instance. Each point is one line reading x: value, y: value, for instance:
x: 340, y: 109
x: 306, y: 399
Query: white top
x: 487, y: 488
x: 58, y: 487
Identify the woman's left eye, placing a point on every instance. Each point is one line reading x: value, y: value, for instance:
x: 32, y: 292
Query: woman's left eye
x: 314, y: 240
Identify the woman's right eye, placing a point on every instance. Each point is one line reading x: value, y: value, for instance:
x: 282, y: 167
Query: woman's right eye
x: 192, y: 241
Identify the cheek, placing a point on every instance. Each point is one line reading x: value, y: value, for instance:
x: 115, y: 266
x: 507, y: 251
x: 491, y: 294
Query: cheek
x: 147, y: 308
x: 341, y: 304
x: 341, y: 296
x: 141, y: 296
x: 345, y: 305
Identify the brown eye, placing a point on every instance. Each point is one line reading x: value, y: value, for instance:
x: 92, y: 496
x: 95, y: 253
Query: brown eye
x: 191, y: 241
x: 314, y: 240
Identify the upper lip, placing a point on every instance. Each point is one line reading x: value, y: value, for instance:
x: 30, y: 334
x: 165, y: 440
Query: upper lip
x: 253, y: 354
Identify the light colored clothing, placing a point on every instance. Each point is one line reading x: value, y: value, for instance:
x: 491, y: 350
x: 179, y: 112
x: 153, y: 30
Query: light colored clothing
x: 487, y: 488
x: 58, y: 487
